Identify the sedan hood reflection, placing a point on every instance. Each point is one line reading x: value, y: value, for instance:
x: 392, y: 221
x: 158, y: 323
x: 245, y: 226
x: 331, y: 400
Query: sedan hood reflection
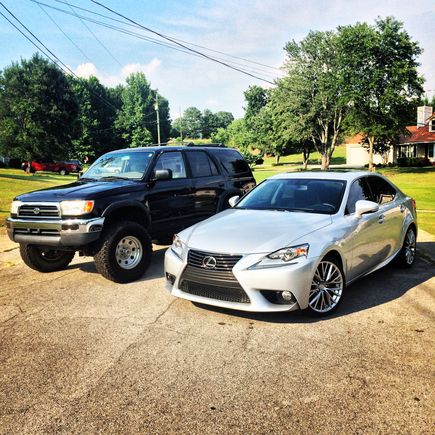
x: 239, y: 231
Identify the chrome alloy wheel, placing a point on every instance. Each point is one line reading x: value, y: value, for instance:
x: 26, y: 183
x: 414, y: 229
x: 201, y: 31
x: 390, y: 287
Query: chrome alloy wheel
x: 410, y: 246
x: 128, y: 252
x: 326, y: 288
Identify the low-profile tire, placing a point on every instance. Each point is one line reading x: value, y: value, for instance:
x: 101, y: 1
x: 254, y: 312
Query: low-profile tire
x: 45, y: 259
x: 327, y: 287
x: 406, y: 256
x: 125, y: 252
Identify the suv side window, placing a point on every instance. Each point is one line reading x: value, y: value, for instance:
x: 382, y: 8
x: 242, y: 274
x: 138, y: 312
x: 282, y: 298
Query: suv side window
x: 382, y: 191
x: 200, y: 164
x: 358, y: 191
x: 174, y: 162
x: 233, y: 162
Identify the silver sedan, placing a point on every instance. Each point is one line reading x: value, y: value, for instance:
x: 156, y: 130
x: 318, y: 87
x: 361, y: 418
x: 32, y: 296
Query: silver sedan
x: 294, y: 242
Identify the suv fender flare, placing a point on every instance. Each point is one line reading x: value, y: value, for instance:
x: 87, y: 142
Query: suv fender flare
x: 128, y: 204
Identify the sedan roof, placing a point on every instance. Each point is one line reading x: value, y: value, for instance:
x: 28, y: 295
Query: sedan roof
x: 325, y: 175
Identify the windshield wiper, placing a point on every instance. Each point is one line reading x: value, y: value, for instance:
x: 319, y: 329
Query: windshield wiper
x: 113, y: 177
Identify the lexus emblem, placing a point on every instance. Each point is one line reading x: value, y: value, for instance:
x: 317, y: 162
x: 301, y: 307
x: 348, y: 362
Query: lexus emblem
x: 209, y: 262
x: 36, y: 210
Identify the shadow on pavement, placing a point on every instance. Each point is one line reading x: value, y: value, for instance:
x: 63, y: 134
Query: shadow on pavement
x: 378, y: 288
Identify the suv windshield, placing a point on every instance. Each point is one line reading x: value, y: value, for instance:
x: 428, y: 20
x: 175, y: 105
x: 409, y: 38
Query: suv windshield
x: 129, y: 165
x: 300, y: 195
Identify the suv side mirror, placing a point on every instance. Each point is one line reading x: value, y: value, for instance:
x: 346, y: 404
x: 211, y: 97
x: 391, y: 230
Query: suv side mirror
x: 363, y: 206
x: 233, y: 200
x: 163, y: 174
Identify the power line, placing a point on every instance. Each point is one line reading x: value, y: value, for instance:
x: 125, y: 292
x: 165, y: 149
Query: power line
x: 176, y: 39
x: 49, y: 51
x: 64, y: 33
x: 95, y: 37
x: 184, y: 46
x: 255, y: 70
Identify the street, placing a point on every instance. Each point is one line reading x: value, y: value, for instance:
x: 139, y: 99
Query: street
x: 80, y: 354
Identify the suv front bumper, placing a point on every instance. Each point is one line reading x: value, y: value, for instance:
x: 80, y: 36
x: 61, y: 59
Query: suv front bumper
x: 59, y: 232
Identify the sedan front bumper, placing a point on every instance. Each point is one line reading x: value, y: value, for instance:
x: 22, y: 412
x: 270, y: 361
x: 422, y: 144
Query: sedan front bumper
x: 59, y: 232
x: 295, y: 277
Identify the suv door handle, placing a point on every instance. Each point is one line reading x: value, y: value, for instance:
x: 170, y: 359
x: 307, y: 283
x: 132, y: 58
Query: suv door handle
x: 381, y: 219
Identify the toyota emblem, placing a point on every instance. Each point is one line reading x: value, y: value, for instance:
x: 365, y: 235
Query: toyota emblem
x: 36, y: 210
x: 209, y: 262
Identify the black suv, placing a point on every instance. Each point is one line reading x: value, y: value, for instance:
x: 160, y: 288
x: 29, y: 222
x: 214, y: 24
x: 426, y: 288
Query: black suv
x: 127, y: 199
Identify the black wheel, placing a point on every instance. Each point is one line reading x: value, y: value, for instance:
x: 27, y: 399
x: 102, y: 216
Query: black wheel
x: 45, y: 259
x: 125, y: 252
x: 63, y: 171
x: 327, y: 288
x: 406, y: 256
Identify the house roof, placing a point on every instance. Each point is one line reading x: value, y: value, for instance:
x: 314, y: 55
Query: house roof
x: 418, y: 135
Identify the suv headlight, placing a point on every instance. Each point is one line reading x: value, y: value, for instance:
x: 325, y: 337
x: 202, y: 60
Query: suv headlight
x: 178, y: 247
x: 15, y: 206
x: 76, y: 208
x: 282, y: 256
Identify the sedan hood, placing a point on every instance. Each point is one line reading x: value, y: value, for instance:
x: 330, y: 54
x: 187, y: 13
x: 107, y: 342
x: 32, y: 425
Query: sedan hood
x: 81, y: 190
x: 238, y: 231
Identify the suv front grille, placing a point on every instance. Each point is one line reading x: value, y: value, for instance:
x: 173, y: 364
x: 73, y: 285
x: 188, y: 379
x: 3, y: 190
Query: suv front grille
x: 218, y: 282
x: 39, y: 211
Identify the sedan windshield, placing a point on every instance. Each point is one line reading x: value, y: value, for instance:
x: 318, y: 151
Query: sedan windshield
x: 121, y: 165
x: 299, y: 195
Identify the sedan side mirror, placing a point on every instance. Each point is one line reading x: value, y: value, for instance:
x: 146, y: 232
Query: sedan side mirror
x: 363, y: 206
x: 233, y: 200
x: 163, y: 174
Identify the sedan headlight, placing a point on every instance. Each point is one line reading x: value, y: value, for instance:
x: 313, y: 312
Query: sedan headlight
x: 282, y: 256
x: 15, y: 206
x: 178, y: 247
x: 76, y: 208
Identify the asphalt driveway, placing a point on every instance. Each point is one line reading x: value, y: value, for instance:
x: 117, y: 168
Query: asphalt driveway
x: 79, y: 354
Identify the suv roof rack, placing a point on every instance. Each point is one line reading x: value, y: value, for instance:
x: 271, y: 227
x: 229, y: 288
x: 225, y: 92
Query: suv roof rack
x: 214, y: 145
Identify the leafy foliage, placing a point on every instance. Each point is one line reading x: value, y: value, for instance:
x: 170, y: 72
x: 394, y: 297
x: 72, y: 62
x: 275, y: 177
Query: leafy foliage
x: 38, y: 110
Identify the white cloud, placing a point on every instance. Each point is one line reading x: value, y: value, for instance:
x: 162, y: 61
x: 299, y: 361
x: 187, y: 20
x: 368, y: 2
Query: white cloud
x: 89, y: 69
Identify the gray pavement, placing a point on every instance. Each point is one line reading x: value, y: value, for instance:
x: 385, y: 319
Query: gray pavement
x: 79, y: 354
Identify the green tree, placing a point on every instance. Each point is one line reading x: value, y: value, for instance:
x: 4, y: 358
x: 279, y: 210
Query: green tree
x: 209, y: 123
x: 38, y: 110
x: 223, y: 119
x: 381, y: 79
x: 97, y: 114
x: 192, y: 123
x: 137, y: 119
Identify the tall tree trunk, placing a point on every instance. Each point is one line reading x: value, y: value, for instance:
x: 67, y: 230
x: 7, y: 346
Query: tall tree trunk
x: 305, y: 157
x: 325, y: 161
x: 277, y: 159
x: 371, y: 142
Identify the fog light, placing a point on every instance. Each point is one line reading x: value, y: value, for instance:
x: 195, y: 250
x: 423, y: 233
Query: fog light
x: 170, y: 278
x: 287, y: 297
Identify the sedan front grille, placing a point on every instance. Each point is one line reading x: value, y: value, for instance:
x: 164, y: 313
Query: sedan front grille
x: 215, y: 292
x: 223, y: 262
x: 39, y: 211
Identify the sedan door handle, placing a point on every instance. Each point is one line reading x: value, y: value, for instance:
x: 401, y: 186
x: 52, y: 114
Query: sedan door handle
x: 381, y: 219
x: 402, y: 208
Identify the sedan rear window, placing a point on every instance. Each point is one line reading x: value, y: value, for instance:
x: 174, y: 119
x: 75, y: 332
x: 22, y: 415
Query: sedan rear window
x: 300, y: 195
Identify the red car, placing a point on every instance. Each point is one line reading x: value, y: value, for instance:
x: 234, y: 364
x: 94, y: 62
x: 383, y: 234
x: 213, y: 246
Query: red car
x: 48, y: 165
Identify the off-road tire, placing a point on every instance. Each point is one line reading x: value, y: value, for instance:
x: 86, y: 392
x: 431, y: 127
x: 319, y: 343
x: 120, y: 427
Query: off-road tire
x: 39, y: 258
x: 105, y: 258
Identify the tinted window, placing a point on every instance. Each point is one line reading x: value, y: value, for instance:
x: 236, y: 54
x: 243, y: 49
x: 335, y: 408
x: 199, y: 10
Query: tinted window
x: 359, y: 191
x: 382, y: 191
x: 313, y: 196
x: 201, y: 164
x: 233, y: 162
x: 174, y: 162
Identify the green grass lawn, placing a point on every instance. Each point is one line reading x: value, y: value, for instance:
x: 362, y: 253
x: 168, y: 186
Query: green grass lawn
x: 419, y: 183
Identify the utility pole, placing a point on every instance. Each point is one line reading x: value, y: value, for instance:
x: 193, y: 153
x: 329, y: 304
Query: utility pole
x: 158, y: 116
x: 181, y: 127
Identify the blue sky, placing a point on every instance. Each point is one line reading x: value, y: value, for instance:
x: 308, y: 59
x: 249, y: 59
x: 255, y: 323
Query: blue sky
x: 256, y: 30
